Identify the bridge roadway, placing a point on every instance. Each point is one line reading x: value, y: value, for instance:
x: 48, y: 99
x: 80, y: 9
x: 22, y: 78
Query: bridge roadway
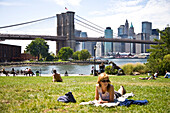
x: 63, y: 38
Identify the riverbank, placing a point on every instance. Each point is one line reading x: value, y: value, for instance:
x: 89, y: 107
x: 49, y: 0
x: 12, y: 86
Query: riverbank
x: 51, y: 63
x: 44, y: 75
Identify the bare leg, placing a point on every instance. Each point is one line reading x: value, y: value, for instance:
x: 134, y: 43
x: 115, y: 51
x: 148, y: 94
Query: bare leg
x: 122, y: 90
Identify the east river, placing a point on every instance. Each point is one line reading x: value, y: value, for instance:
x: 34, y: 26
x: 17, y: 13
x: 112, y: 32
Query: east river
x: 73, y: 69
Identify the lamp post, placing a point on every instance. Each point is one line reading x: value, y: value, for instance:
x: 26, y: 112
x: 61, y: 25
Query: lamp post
x: 95, y: 74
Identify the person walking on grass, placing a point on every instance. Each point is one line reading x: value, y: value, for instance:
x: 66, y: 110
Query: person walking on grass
x: 56, y: 77
x: 105, y: 91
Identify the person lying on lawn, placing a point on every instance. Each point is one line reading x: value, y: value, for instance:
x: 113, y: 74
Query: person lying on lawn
x: 105, y: 91
x: 148, y: 78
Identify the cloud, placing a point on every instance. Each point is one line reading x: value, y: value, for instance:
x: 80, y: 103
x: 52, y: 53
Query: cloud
x: 136, y: 11
x: 68, y: 2
x: 11, y: 4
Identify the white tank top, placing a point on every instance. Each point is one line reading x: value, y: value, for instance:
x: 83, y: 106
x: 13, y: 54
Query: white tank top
x: 104, y: 96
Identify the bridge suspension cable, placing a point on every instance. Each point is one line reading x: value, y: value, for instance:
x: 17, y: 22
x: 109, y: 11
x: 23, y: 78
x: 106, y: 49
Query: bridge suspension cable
x: 90, y: 22
x: 89, y: 28
x: 89, y: 25
x: 27, y: 22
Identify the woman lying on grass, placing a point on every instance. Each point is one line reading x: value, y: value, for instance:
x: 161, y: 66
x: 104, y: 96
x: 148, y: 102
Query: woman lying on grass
x: 105, y: 90
x: 148, y: 78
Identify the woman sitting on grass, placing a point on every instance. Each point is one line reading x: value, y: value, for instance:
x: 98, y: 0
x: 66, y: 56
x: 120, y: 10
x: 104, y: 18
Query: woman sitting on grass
x: 148, y: 78
x: 56, y: 77
x: 105, y: 90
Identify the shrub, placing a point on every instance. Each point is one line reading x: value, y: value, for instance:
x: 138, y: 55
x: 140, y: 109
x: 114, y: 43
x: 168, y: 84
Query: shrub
x: 110, y: 70
x: 128, y: 68
x: 139, y: 67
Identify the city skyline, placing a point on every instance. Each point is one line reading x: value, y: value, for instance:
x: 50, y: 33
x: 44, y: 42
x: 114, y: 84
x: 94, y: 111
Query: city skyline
x: 110, y: 13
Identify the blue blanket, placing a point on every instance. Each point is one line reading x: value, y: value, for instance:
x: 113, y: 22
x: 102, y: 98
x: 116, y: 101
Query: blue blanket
x: 129, y: 102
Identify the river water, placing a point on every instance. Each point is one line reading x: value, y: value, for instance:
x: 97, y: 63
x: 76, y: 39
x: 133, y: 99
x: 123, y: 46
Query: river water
x: 73, y: 69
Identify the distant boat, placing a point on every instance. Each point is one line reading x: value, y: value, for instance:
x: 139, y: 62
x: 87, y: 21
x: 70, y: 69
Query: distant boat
x: 109, y: 57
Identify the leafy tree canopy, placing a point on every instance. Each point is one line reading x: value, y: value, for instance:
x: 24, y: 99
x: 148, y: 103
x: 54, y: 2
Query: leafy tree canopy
x: 84, y: 54
x: 156, y: 61
x: 75, y: 55
x: 38, y: 47
x: 65, y: 53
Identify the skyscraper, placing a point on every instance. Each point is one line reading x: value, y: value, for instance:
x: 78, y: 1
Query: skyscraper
x: 126, y: 28
x: 140, y: 48
x: 88, y: 45
x: 78, y: 44
x: 132, y: 36
x: 83, y: 34
x: 147, y: 30
x: 147, y: 27
x: 121, y: 30
x: 108, y: 46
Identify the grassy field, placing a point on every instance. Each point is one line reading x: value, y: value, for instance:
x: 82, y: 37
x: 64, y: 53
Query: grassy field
x: 39, y: 94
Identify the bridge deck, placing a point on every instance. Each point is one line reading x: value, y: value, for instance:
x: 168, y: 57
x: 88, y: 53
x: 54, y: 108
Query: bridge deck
x: 63, y: 38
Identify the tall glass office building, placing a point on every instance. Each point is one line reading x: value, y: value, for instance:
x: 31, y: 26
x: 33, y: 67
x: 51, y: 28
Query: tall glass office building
x: 147, y: 30
x: 147, y: 27
x: 108, y: 46
x: 83, y: 34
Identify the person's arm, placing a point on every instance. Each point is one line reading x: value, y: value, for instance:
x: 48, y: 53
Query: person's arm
x: 96, y: 93
x: 111, y: 92
x: 111, y: 98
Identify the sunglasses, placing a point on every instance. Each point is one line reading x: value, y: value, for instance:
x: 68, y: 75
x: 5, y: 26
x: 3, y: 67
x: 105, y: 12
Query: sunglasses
x: 105, y: 80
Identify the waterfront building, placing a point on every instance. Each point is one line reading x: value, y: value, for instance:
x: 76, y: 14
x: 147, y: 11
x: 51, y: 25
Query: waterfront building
x: 126, y: 28
x: 132, y: 36
x: 124, y: 31
x: 147, y: 27
x: 155, y: 34
x: 147, y: 30
x: 83, y: 34
x: 9, y: 53
x: 141, y: 48
x: 78, y: 44
x: 121, y: 30
x: 100, y: 49
x: 27, y: 56
x: 108, y: 46
x: 88, y: 45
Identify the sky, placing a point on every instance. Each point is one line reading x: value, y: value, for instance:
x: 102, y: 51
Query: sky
x: 105, y: 13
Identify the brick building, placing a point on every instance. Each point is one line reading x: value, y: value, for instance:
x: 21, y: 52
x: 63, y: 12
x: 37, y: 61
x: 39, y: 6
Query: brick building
x: 9, y: 53
x: 27, y: 56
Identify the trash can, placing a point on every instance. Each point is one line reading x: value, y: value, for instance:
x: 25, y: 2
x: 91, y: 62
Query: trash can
x: 37, y: 73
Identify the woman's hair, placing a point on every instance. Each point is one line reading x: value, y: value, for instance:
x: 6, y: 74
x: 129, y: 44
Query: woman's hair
x: 54, y: 71
x: 101, y: 77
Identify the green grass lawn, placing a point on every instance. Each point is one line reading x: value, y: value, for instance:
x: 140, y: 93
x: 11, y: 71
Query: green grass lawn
x: 39, y: 94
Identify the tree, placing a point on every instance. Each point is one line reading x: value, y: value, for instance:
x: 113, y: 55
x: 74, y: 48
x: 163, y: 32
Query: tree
x: 50, y: 57
x: 156, y: 61
x: 76, y: 55
x: 38, y: 47
x: 84, y: 54
x: 65, y: 53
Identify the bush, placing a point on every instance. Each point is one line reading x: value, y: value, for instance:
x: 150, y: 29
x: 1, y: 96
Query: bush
x: 128, y: 68
x: 139, y: 67
x: 110, y: 70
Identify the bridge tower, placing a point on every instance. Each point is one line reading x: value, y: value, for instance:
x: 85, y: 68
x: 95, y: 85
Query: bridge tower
x: 65, y: 27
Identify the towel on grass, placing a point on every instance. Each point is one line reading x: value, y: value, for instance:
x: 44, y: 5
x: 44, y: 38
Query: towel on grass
x: 121, y: 101
x: 68, y: 97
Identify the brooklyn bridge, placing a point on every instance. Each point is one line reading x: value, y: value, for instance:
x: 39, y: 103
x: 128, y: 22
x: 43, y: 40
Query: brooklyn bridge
x: 65, y: 36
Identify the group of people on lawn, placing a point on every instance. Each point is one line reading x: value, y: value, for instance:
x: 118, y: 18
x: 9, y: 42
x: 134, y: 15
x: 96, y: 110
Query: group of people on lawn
x: 25, y: 72
x: 102, y: 69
